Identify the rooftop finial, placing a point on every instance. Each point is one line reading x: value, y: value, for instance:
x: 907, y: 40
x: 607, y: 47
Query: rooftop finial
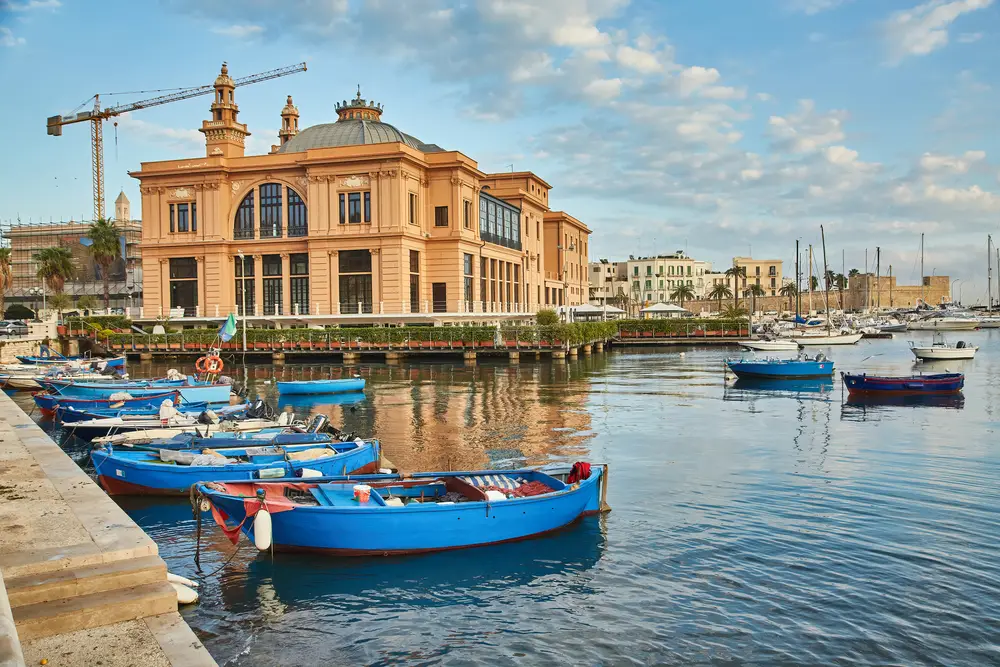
x: 359, y: 91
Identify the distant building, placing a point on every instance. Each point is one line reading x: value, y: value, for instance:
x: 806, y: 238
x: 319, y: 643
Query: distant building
x: 126, y: 273
x: 866, y: 291
x: 764, y: 272
x: 607, y: 280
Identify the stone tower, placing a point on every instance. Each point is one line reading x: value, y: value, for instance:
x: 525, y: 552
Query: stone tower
x: 123, y: 212
x: 224, y: 135
x: 289, y: 122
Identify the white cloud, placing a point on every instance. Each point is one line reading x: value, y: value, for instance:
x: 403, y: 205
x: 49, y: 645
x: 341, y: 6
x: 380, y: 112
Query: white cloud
x: 603, y: 89
x: 924, y: 29
x: 182, y: 138
x: 640, y: 61
x: 764, y: 97
x: 692, y: 78
x: 969, y: 37
x: 751, y: 174
x: 814, y: 6
x: 30, y: 5
x: 7, y: 38
x: 533, y: 66
x: 840, y: 155
x: 807, y: 131
x: 930, y: 162
x: 723, y: 93
x: 239, y: 30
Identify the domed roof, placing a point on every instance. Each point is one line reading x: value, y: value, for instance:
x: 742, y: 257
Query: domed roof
x: 358, y: 123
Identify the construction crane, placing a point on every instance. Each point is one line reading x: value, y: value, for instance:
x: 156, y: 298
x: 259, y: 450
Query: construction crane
x: 97, y: 115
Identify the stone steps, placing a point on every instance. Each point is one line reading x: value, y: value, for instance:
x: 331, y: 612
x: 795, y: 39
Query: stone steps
x: 92, y: 610
x: 67, y: 583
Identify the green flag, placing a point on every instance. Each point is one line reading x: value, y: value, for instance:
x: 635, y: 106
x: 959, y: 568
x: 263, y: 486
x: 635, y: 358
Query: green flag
x: 228, y: 329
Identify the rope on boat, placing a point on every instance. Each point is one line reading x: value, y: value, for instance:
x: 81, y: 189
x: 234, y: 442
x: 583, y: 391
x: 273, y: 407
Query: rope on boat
x: 196, y: 497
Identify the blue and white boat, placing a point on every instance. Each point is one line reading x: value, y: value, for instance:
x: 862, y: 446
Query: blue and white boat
x: 782, y: 368
x: 312, y: 387
x: 127, y: 471
x: 47, y: 356
x: 881, y: 385
x: 68, y: 414
x: 430, y: 511
x: 49, y: 403
x: 191, y: 391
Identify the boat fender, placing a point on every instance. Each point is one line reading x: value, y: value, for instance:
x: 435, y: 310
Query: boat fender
x: 492, y: 495
x: 183, y: 581
x: 185, y: 595
x: 309, y: 472
x: 262, y: 530
x: 271, y: 473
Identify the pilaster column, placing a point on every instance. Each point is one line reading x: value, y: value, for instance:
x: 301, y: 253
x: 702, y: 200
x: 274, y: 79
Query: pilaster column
x: 165, y: 285
x: 258, y: 285
x: 334, y: 273
x: 376, y: 278
x: 202, y: 290
x: 286, y: 285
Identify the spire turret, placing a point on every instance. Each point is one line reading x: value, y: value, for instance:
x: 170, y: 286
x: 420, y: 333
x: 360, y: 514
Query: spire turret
x: 359, y: 109
x: 224, y: 135
x: 289, y: 122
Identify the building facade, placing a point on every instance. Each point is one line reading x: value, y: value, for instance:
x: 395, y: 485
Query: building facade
x: 349, y: 220
x: 126, y: 273
x: 868, y: 291
x: 764, y: 272
x: 608, y: 282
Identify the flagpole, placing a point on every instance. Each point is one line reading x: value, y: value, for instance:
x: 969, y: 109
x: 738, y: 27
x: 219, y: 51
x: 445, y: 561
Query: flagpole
x: 243, y: 284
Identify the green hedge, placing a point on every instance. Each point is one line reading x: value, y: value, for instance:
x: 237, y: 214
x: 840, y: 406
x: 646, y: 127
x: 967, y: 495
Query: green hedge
x: 679, y: 325
x: 102, y: 322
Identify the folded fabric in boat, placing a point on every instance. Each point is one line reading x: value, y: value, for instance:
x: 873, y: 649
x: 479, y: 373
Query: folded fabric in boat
x: 498, y: 482
x: 190, y: 459
x: 263, y: 451
x: 309, y: 454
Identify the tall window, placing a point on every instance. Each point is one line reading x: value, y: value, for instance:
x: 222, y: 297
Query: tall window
x: 499, y: 222
x: 183, y: 223
x: 298, y: 267
x: 368, y: 206
x: 243, y: 227
x: 482, y: 281
x: 354, y: 208
x: 297, y: 221
x: 440, y: 216
x: 413, y: 208
x: 184, y: 284
x: 467, y: 213
x: 439, y: 297
x: 351, y: 209
x: 355, y: 268
x: 183, y: 217
x: 172, y: 224
x: 467, y: 281
x: 245, y: 283
x: 517, y: 283
x: 271, y: 268
x: 270, y: 211
x: 414, y: 281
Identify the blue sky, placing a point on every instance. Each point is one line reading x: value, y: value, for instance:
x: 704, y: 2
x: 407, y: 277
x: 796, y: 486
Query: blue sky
x: 711, y: 125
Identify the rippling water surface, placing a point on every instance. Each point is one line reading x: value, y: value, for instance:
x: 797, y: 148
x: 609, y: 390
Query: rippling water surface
x: 751, y: 524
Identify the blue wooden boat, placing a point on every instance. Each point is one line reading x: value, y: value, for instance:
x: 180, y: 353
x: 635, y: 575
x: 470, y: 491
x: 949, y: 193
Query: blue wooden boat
x: 190, y: 390
x: 300, y: 387
x: 797, y: 369
x: 49, y: 403
x: 68, y: 414
x: 431, y: 511
x: 127, y: 471
x: 940, y: 383
x: 47, y: 357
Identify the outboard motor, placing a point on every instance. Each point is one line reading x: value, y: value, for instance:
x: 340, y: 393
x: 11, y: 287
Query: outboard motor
x: 820, y: 356
x: 257, y: 410
x: 960, y: 345
x: 317, y: 424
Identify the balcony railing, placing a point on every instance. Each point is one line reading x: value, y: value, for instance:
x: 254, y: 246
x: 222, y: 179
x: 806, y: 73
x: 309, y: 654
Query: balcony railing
x: 499, y: 240
x: 243, y: 233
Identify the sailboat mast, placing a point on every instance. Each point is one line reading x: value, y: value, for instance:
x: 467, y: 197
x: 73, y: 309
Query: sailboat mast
x: 809, y: 280
x: 890, y: 285
x: 822, y: 237
x: 798, y: 278
x: 989, y: 274
x: 923, y: 297
x: 878, y: 277
x: 868, y: 281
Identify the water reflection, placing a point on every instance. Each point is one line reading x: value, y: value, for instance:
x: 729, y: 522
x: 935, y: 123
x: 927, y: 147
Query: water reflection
x: 860, y: 407
x: 750, y: 389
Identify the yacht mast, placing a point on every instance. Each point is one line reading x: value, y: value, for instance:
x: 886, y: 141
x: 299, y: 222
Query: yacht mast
x: 922, y: 280
x: 809, y: 280
x: 822, y: 237
x: 989, y: 275
x: 878, y: 278
x: 798, y: 277
x: 890, y: 285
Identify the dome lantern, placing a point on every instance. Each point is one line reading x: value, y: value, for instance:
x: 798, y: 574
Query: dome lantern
x: 359, y: 109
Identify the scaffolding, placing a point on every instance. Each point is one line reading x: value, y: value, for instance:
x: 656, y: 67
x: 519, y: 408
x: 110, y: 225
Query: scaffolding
x: 26, y: 239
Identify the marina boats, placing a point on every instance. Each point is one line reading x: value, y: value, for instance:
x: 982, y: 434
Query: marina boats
x: 938, y: 322
x: 313, y: 387
x: 150, y: 471
x: 939, y: 383
x: 190, y: 390
x: 813, y: 339
x: 431, y: 511
x: 32, y: 380
x: 770, y: 345
x: 47, y: 356
x: 782, y: 368
x: 152, y: 427
x: 939, y: 349
x: 49, y: 403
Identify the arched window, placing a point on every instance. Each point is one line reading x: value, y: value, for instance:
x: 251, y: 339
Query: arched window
x: 243, y: 226
x: 270, y: 211
x: 297, y: 224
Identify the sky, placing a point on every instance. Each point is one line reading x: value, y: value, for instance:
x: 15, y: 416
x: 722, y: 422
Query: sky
x: 719, y: 127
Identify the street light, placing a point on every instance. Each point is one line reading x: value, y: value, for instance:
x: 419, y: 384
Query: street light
x: 35, y: 291
x: 243, y: 293
x: 956, y: 280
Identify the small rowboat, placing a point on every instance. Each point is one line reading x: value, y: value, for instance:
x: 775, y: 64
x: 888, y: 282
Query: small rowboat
x: 941, y: 383
x: 173, y: 472
x: 431, y: 511
x: 782, y: 368
x: 191, y: 392
x: 763, y: 345
x: 48, y: 403
x: 300, y: 387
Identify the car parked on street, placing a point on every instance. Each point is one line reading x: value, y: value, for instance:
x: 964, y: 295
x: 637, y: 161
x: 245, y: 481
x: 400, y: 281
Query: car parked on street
x: 10, y: 328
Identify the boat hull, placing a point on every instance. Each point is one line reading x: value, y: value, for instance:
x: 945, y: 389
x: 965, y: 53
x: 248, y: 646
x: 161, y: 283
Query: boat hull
x: 937, y: 325
x: 944, y: 383
x: 366, y: 530
x: 218, y: 393
x: 940, y: 353
x: 49, y: 403
x: 789, y: 370
x: 121, y: 475
x: 814, y: 341
x: 314, y: 387
x: 770, y: 345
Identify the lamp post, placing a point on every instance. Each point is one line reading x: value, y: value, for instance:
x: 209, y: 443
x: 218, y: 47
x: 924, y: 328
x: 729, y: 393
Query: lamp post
x: 243, y: 294
x: 35, y: 292
x: 956, y: 280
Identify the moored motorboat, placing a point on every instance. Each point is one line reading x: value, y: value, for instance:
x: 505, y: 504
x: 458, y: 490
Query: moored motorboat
x: 190, y: 390
x: 938, y: 383
x: 782, y: 368
x: 770, y: 345
x: 129, y: 471
x: 944, y: 323
x: 49, y: 403
x: 939, y: 349
x: 431, y: 511
x: 313, y: 387
x: 821, y: 339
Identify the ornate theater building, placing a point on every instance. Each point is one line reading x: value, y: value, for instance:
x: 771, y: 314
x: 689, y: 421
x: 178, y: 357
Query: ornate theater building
x: 349, y: 221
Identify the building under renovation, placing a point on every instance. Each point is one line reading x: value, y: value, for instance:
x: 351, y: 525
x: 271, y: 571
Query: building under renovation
x: 27, y: 239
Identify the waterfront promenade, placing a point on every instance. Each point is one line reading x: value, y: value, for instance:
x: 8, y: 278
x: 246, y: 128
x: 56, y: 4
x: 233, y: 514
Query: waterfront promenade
x: 85, y: 585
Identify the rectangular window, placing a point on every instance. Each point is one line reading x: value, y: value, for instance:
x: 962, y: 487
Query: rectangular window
x: 635, y: 270
x: 182, y: 217
x: 440, y: 216
x: 172, y: 219
x: 270, y: 211
x: 439, y: 293
x: 368, y: 207
x: 649, y: 284
x: 413, y: 208
x: 482, y: 281
x: 517, y: 283
x: 354, y: 261
x: 467, y: 213
x: 773, y: 282
x: 355, y: 281
x: 271, y: 269
x: 298, y: 267
x: 414, y: 281
x: 343, y: 209
x: 184, y: 284
x: 244, y: 277
x: 194, y: 217
x: 467, y: 280
x: 493, y: 281
x: 354, y: 208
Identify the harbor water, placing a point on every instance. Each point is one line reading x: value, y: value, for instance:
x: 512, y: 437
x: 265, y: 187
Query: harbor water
x: 752, y: 524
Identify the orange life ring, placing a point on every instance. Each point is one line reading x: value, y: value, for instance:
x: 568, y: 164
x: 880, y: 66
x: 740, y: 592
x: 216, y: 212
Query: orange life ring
x: 200, y: 364
x: 215, y: 364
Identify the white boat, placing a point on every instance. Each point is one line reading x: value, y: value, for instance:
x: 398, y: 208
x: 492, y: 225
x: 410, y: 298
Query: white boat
x: 145, y: 430
x: 989, y: 322
x: 939, y: 349
x: 891, y: 326
x: 944, y: 324
x: 828, y: 339
x: 770, y: 345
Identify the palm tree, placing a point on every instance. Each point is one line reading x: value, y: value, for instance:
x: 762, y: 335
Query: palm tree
x: 790, y: 291
x: 840, y: 280
x: 735, y: 272
x: 60, y: 301
x: 105, y: 248
x: 813, y: 283
x: 6, y: 277
x: 734, y: 313
x: 852, y: 273
x: 753, y: 291
x: 720, y: 292
x: 681, y: 293
x: 55, y: 265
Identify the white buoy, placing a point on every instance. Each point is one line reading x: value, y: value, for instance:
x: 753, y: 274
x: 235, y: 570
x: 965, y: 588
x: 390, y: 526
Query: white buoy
x: 185, y: 595
x: 262, y: 530
x: 309, y: 472
x: 178, y: 579
x: 682, y: 354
